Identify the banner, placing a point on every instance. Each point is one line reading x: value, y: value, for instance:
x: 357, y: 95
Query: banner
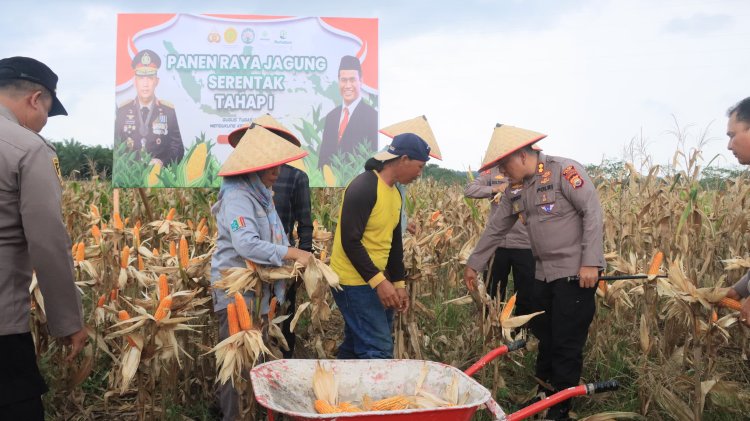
x: 184, y: 82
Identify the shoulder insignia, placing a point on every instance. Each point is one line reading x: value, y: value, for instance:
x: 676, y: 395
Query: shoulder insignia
x: 165, y: 103
x: 56, y: 164
x: 576, y: 181
x: 126, y: 103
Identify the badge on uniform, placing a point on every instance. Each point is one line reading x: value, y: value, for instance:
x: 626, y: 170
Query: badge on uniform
x: 237, y: 224
x: 56, y: 164
x: 515, y: 188
x: 571, y: 174
x: 540, y: 168
x: 546, y: 177
x: 159, y: 128
x: 548, y: 207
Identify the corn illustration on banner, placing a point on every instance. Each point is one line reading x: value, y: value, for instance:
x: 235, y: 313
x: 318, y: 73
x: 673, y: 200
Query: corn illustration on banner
x: 184, y: 81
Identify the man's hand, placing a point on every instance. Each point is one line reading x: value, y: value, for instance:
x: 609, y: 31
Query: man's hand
x: 155, y: 161
x: 470, y: 278
x: 76, y: 342
x: 588, y: 276
x: 745, y: 306
x: 298, y: 255
x: 403, y: 296
x: 388, y: 295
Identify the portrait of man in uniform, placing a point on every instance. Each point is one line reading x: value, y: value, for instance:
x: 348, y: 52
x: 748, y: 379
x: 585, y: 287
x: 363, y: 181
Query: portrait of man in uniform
x: 353, y: 122
x: 147, y: 124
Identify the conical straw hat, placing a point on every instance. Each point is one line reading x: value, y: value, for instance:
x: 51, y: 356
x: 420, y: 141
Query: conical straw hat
x: 259, y: 149
x: 506, y: 140
x: 420, y: 127
x: 269, y: 123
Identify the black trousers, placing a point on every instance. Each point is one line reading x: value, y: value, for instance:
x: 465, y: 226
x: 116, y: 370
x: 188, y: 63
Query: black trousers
x: 521, y: 261
x: 291, y: 338
x: 562, y: 330
x: 21, y: 384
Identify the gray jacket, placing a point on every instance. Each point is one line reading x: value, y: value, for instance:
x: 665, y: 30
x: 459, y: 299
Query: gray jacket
x: 561, y: 209
x: 244, y: 234
x: 481, y: 188
x: 743, y: 286
x: 32, y: 233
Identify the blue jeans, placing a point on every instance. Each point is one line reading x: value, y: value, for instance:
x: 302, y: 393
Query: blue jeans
x: 367, y: 324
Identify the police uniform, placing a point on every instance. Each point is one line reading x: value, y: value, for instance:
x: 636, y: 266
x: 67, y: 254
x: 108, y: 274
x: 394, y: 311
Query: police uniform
x: 561, y: 209
x: 32, y: 237
x: 514, y: 250
x: 152, y: 128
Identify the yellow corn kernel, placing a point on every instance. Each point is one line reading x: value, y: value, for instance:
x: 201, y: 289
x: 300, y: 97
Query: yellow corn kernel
x: 124, y: 256
x: 234, y: 324
x: 196, y: 163
x: 164, y: 305
x: 243, y: 315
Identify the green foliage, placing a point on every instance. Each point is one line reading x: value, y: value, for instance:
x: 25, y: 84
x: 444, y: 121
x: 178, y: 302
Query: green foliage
x: 128, y: 169
x: 82, y: 161
x: 444, y: 175
x: 133, y: 171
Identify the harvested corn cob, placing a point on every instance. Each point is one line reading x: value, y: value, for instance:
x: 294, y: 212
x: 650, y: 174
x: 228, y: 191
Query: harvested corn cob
x: 243, y: 315
x: 234, y: 324
x: 324, y: 407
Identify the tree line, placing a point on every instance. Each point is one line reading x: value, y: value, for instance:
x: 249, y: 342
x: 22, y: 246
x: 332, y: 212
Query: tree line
x: 82, y: 162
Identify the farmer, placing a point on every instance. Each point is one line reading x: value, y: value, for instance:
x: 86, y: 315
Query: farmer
x: 738, y: 130
x: 32, y: 235
x: 513, y: 251
x: 291, y: 196
x: 249, y: 226
x: 421, y: 128
x: 368, y: 253
x: 558, y: 203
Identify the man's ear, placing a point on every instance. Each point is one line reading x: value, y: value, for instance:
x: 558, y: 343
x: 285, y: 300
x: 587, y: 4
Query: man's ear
x: 35, y: 99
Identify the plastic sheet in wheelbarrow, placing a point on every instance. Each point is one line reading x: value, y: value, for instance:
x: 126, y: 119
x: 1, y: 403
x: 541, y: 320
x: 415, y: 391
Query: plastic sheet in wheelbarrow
x: 285, y: 386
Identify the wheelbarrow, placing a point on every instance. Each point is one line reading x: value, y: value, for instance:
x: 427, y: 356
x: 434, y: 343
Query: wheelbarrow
x: 285, y: 387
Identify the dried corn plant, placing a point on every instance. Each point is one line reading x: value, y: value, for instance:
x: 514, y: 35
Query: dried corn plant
x: 678, y: 353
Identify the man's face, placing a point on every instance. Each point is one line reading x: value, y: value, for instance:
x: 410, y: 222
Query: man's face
x: 739, y: 139
x: 514, y: 167
x: 409, y: 169
x: 349, y: 85
x: 145, y: 86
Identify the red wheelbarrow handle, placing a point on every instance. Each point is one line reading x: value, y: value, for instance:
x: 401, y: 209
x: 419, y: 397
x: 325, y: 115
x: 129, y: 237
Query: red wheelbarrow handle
x: 571, y: 392
x: 494, y: 354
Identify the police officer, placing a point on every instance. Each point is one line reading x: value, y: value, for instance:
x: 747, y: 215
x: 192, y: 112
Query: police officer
x: 559, y: 205
x: 32, y: 235
x: 513, y: 251
x: 146, y: 123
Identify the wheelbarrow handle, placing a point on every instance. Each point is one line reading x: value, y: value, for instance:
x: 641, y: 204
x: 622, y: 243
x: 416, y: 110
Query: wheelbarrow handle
x: 502, y: 350
x: 576, y: 278
x: 563, y: 395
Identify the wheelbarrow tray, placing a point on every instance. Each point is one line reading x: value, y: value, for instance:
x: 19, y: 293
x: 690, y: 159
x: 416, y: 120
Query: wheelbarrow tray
x: 285, y: 387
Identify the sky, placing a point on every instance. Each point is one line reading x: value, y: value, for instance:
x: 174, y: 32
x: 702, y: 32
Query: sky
x: 594, y: 75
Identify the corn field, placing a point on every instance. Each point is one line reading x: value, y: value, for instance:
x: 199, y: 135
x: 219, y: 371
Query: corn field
x: 677, y: 354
